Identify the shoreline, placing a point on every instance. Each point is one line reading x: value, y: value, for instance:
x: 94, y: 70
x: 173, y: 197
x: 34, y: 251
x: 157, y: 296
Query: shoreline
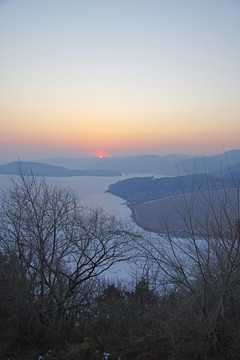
x: 135, y: 219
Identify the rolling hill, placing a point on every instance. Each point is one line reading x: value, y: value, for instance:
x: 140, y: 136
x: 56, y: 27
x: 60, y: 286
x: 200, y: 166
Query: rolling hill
x: 41, y: 169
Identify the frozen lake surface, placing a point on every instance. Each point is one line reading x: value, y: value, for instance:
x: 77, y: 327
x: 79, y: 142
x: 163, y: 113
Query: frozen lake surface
x: 91, y: 191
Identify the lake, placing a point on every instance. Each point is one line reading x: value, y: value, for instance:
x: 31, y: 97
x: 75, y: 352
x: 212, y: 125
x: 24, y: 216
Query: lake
x: 91, y: 191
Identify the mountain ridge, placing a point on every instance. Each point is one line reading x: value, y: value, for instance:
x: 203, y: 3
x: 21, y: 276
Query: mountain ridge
x: 42, y: 169
x: 170, y: 164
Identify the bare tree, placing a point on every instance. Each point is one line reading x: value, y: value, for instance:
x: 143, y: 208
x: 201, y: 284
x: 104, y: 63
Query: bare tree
x: 59, y: 246
x: 202, y: 270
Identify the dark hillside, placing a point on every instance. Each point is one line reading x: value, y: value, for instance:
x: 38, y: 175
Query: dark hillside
x: 41, y: 169
x: 138, y: 190
x: 207, y: 164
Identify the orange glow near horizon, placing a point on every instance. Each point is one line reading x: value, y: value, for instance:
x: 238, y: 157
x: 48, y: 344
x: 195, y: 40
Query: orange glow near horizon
x: 124, y: 137
x: 125, y: 134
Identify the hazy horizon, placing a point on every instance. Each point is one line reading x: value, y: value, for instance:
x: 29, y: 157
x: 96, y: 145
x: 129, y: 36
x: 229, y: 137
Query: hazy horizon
x: 66, y: 158
x: 79, y: 79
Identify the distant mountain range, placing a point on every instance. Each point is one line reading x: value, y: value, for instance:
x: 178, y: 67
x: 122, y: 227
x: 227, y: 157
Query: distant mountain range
x: 129, y: 164
x: 172, y: 164
x: 41, y: 169
x: 220, y: 163
x: 169, y: 165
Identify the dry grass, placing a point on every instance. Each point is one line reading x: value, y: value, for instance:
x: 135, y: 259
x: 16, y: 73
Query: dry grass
x: 176, y: 212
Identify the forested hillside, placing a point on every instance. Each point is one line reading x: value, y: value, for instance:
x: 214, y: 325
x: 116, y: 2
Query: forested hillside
x: 142, y: 189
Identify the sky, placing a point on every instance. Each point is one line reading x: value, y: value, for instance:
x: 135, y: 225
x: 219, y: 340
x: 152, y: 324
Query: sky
x: 116, y: 78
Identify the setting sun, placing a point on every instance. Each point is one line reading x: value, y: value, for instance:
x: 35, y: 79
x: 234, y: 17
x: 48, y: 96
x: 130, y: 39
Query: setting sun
x: 100, y: 154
